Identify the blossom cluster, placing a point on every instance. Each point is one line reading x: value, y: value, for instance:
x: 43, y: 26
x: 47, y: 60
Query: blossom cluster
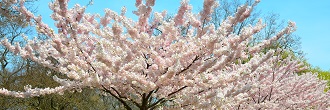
x: 204, y: 68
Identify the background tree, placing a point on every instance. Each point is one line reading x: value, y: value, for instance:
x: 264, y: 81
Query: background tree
x: 202, y: 68
x: 12, y: 27
x: 272, y: 21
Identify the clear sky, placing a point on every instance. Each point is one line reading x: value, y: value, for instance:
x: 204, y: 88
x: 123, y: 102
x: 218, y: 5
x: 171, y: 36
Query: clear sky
x: 312, y: 19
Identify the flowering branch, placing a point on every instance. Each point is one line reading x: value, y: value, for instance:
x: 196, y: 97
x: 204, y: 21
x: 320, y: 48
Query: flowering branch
x: 202, y: 69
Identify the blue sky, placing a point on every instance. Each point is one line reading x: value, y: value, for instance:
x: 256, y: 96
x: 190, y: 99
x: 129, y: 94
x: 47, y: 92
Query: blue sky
x: 312, y: 19
x: 313, y: 22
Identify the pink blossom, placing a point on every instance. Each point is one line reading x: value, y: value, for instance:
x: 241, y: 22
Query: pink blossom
x: 179, y: 18
x: 203, y: 69
x: 138, y: 2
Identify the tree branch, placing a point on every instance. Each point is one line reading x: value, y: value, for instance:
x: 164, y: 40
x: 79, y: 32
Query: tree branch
x: 117, y: 97
x: 156, y: 103
x: 177, y: 91
x: 186, y: 68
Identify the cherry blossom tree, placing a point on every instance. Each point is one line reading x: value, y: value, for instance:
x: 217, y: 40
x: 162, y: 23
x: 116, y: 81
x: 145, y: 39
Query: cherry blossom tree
x: 204, y: 68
